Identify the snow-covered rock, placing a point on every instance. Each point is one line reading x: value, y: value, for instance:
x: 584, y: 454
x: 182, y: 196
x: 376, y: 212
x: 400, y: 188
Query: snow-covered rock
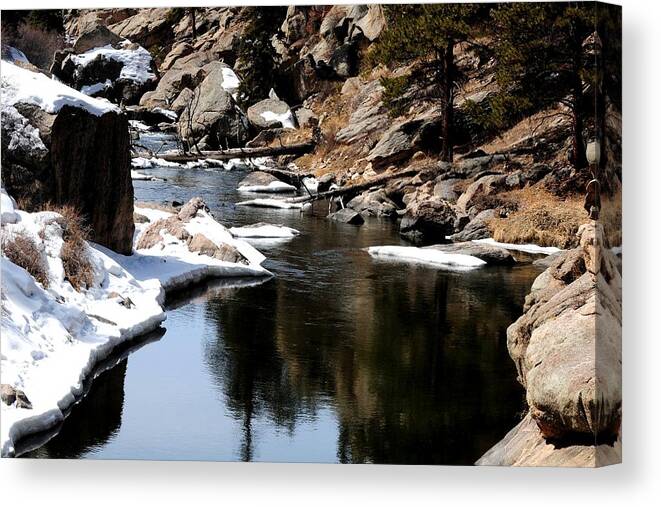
x: 22, y: 85
x: 426, y: 256
x: 120, y: 71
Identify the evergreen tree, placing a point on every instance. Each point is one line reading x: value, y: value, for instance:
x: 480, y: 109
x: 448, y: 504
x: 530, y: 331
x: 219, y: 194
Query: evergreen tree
x: 541, y: 62
x: 426, y: 36
x: 256, y: 58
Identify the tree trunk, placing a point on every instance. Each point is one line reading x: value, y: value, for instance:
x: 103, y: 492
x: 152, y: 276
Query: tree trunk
x: 579, y: 159
x: 447, y: 99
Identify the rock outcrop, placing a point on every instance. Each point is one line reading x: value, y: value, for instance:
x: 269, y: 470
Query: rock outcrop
x: 567, y: 350
x: 81, y: 160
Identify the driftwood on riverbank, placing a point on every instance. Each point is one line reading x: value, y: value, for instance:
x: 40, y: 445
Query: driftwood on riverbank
x: 352, y: 190
x: 261, y: 151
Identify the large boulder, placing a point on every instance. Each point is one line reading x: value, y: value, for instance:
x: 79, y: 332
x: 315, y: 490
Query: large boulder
x: 477, y: 228
x: 402, y: 140
x: 120, y: 71
x: 369, y: 116
x: 76, y: 158
x: 94, y: 36
x: 271, y: 113
x: 567, y: 345
x: 347, y: 216
x: 374, y: 203
x: 485, y: 185
x: 430, y: 222
x: 212, y: 120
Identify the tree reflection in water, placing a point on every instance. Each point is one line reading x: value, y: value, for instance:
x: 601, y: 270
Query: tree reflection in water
x: 414, y: 363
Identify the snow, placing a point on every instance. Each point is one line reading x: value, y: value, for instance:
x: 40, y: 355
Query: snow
x: 17, y: 55
x: 136, y: 63
x: 231, y: 81
x: 264, y: 231
x: 139, y: 176
x: 311, y: 184
x: 8, y: 206
x: 286, y: 119
x: 166, y: 112
x: 138, y: 125
x: 426, y: 256
x: 148, y: 163
x: 96, y: 88
x: 527, y: 248
x: 53, y: 338
x: 272, y: 203
x: 275, y: 187
x: 22, y: 85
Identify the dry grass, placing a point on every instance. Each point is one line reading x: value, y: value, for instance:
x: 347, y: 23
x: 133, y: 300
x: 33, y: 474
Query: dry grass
x: 38, y: 44
x: 24, y: 252
x: 541, y: 218
x: 78, y: 270
x: 611, y: 217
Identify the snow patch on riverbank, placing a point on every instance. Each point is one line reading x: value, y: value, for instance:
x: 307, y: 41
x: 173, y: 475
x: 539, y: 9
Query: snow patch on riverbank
x: 53, y: 337
x: 426, y: 256
x: 527, y: 248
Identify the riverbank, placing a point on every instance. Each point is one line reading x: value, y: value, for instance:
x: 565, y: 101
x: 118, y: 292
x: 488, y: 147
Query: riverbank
x: 54, y: 334
x: 567, y: 349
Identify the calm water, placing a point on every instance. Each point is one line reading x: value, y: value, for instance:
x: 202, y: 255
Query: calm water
x: 339, y: 358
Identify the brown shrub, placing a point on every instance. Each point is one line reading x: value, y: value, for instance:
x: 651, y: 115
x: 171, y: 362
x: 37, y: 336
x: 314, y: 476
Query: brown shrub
x: 541, y: 218
x: 78, y: 270
x: 38, y: 44
x: 24, y: 252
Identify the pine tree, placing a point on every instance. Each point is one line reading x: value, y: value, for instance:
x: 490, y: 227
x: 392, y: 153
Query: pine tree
x: 256, y: 58
x: 540, y: 61
x: 426, y: 36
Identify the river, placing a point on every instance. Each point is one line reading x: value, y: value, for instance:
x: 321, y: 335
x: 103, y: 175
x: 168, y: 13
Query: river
x: 338, y: 358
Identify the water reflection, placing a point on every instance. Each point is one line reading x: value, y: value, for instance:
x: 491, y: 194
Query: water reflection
x: 340, y: 357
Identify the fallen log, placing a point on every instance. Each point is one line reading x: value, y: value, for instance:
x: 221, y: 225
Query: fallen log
x: 261, y: 151
x: 352, y: 190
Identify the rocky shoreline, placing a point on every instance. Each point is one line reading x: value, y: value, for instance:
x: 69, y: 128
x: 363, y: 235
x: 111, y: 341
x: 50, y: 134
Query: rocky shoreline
x: 567, y: 348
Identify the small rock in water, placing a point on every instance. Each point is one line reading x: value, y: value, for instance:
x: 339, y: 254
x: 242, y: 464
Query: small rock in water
x: 347, y: 216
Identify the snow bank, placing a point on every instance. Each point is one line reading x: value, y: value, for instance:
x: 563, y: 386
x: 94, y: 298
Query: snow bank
x: 136, y: 62
x: 21, y: 85
x: 427, y: 256
x: 264, y: 231
x: 273, y: 203
x: 275, y: 187
x: 148, y: 163
x: 527, y: 248
x: 96, y: 87
x: 52, y: 338
x: 138, y: 176
x: 16, y: 55
x: 285, y: 119
x: 175, y: 266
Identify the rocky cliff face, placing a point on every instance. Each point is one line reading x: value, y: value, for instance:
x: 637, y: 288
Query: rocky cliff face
x: 567, y: 349
x: 76, y: 158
